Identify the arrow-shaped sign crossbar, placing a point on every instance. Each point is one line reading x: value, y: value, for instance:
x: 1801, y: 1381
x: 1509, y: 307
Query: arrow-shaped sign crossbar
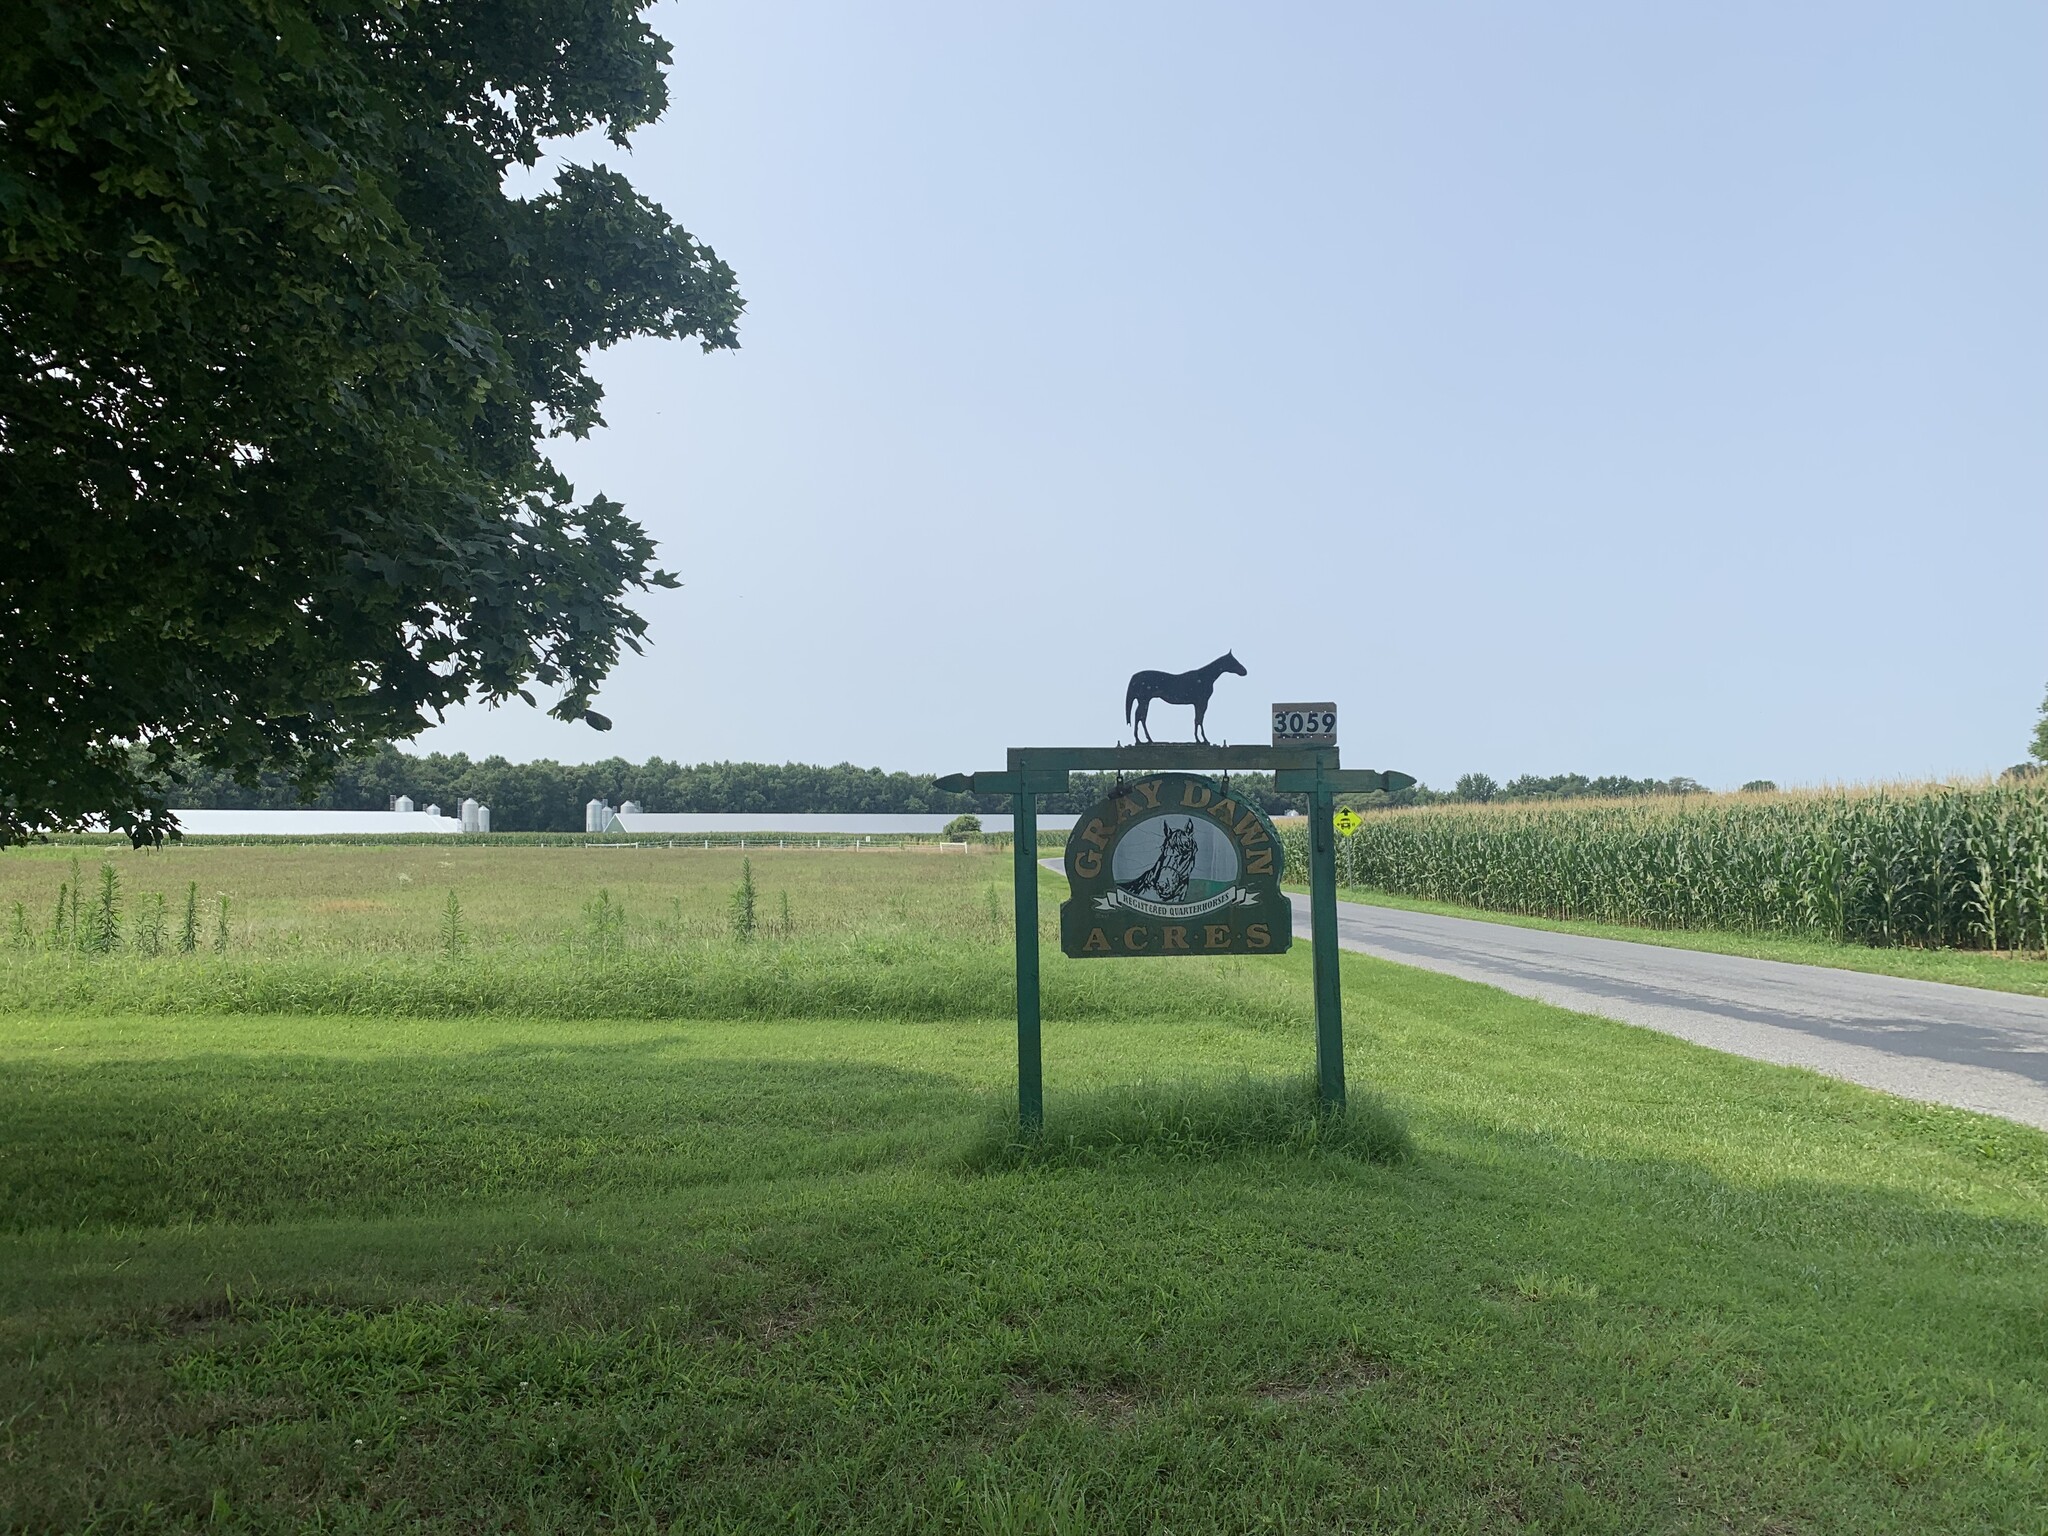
x: 1341, y: 781
x: 1037, y: 781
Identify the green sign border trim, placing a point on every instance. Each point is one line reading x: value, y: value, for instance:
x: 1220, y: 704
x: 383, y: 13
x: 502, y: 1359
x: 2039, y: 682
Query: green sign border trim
x: 1261, y: 925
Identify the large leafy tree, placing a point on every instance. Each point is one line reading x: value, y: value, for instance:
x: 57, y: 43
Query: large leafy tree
x: 279, y: 357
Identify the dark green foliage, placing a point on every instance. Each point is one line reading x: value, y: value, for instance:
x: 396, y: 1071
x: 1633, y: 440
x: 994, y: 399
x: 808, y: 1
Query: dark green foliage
x: 1576, y: 786
x: 743, y: 899
x: 963, y: 825
x: 1759, y: 787
x: 1944, y: 868
x: 278, y: 354
x: 2040, y: 743
x: 1476, y: 786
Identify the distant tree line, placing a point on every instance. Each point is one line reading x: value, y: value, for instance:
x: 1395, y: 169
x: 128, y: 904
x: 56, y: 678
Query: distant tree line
x: 548, y: 796
x: 1576, y: 786
x: 1483, y: 788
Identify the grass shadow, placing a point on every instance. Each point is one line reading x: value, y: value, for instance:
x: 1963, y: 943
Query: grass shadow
x: 236, y: 1137
x: 1185, y: 1118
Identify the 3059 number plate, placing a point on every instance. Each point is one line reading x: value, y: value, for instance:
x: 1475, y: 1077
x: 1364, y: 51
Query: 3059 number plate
x: 1304, y: 725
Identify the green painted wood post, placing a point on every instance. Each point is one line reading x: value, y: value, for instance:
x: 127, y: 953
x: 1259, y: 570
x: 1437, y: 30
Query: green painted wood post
x: 1322, y: 922
x: 1030, y: 1076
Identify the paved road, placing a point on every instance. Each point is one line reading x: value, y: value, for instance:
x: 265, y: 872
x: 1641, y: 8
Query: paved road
x: 1980, y: 1050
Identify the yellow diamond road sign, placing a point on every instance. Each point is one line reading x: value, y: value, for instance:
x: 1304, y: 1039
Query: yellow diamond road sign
x: 1347, y: 821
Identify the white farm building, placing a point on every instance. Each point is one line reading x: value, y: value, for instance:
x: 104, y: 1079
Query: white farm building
x: 312, y: 823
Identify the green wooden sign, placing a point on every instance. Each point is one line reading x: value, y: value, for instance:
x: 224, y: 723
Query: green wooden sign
x: 1117, y: 823
x: 1174, y: 864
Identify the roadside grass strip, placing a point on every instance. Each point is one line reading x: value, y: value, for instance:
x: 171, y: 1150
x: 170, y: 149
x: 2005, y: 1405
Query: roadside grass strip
x: 2024, y: 972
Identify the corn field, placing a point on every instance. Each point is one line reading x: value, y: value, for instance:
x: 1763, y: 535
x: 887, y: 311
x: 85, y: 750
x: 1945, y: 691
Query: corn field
x: 1961, y: 868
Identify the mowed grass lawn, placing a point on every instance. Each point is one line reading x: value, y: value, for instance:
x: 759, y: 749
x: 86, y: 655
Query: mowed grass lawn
x: 355, y: 1272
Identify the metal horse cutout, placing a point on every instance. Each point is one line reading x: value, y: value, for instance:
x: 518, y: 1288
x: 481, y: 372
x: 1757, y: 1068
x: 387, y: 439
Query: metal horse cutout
x: 1177, y: 688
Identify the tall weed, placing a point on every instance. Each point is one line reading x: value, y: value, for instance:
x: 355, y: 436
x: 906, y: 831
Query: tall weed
x: 743, y: 901
x: 454, y: 933
x: 149, y: 924
x: 188, y: 934
x: 103, y: 932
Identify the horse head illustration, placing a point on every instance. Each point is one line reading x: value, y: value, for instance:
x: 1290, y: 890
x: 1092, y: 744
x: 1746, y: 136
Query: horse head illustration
x: 1167, y: 879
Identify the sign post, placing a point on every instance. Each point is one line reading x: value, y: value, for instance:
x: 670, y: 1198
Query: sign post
x: 1030, y: 1068
x: 1204, y: 864
x: 1322, y: 919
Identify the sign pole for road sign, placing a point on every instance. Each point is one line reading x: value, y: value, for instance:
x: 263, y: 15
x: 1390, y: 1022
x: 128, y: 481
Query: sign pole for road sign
x: 1323, y: 784
x: 1322, y: 917
x: 1030, y: 1070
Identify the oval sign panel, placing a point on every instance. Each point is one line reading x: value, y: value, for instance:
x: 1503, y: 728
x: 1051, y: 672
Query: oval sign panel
x: 1174, y: 865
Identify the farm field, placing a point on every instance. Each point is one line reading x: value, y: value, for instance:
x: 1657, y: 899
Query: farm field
x: 443, y: 1247
x: 1936, y: 882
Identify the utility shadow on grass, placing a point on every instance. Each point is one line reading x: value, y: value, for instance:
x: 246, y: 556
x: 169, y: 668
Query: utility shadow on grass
x: 1510, y: 1334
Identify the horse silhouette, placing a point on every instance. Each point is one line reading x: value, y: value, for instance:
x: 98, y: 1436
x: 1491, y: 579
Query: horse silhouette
x: 1177, y: 688
x: 1167, y: 879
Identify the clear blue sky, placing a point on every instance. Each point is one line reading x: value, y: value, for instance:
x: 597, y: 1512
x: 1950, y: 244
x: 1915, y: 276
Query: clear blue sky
x: 1618, y: 388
